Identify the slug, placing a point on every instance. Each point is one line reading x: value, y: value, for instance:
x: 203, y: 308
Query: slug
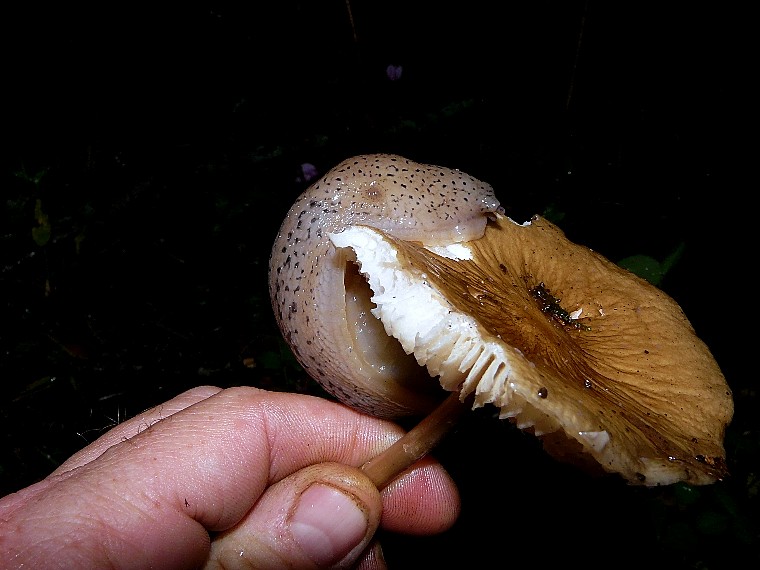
x: 322, y: 303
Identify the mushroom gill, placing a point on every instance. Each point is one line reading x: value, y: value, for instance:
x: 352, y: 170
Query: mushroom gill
x: 392, y: 279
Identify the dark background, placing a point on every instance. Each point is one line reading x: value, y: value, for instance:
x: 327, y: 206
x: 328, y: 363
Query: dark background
x: 151, y: 154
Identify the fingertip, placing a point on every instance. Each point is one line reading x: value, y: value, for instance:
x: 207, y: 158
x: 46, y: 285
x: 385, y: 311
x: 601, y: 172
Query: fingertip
x: 423, y: 501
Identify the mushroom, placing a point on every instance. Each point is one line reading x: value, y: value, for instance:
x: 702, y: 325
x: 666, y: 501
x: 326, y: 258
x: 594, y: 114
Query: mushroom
x: 387, y: 274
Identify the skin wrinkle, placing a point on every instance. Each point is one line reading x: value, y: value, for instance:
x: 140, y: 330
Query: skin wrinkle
x: 21, y: 498
x: 61, y: 550
x: 34, y: 546
x: 151, y: 494
x: 263, y: 550
x: 78, y: 526
x: 151, y: 513
x: 106, y: 528
x: 270, y: 435
x: 229, y: 461
x: 350, y: 453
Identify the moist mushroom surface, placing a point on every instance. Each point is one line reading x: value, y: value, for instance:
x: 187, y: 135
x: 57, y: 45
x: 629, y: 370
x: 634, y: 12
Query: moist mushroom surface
x: 597, y: 362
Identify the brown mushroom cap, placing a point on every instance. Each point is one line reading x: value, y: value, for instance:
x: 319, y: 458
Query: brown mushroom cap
x: 590, y: 357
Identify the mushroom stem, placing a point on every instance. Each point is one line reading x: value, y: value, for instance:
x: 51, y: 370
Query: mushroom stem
x: 416, y: 443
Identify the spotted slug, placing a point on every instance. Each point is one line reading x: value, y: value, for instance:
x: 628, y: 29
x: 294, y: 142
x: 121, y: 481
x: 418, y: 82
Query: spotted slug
x: 321, y: 301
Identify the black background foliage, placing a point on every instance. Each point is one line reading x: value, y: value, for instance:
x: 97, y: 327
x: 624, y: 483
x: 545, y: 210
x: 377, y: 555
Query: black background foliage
x: 151, y: 154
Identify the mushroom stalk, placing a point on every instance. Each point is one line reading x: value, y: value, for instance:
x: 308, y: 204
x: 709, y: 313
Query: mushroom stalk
x: 416, y: 443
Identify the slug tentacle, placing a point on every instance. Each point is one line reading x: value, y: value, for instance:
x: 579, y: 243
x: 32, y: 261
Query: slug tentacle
x: 322, y: 303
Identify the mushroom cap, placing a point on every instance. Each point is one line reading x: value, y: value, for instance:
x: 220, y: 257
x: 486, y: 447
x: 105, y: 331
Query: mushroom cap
x: 596, y: 361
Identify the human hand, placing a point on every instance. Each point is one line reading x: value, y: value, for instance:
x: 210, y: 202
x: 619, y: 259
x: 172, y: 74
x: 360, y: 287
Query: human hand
x: 236, y: 478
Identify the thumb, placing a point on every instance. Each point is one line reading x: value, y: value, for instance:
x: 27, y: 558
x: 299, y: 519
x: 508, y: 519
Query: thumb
x: 323, y: 516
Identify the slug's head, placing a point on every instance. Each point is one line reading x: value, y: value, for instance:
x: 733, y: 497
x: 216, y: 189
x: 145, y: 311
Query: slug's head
x: 408, y: 200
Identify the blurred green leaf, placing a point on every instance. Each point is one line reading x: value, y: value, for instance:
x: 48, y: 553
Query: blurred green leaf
x: 553, y: 214
x: 41, y: 232
x: 649, y: 268
x: 644, y: 266
x: 35, y: 178
x: 712, y: 523
x: 686, y: 494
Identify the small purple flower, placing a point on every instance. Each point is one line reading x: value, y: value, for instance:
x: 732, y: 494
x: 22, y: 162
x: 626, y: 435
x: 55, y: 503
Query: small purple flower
x: 309, y: 171
x: 394, y: 72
